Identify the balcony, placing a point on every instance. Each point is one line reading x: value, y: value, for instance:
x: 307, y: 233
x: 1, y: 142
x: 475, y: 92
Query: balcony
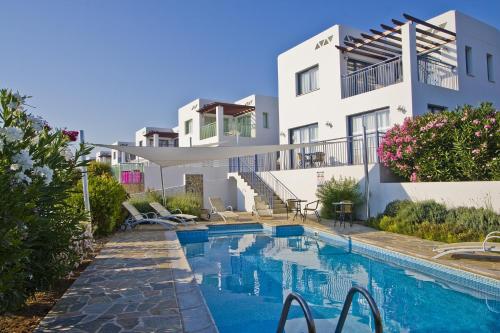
x: 373, y: 77
x: 208, y: 131
x: 242, y: 130
x: 437, y: 73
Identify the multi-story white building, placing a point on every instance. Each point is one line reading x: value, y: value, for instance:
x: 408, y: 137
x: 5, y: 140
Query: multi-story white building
x: 118, y: 157
x: 334, y: 82
x: 156, y: 137
x: 103, y: 156
x: 252, y: 120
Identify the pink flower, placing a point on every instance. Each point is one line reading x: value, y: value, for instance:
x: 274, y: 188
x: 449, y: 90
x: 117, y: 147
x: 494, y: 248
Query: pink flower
x: 492, y: 120
x: 413, y: 177
x: 478, y: 134
x: 476, y: 151
x: 487, y: 127
x: 409, y: 150
x: 476, y: 122
x: 71, y: 135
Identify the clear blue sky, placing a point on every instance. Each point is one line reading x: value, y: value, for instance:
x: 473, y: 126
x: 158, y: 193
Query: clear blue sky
x: 112, y: 67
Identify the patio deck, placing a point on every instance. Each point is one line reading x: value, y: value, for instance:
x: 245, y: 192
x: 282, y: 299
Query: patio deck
x: 142, y: 282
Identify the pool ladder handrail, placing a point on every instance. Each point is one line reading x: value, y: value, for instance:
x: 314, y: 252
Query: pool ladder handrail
x: 347, y: 306
x: 343, y: 315
x: 305, y: 308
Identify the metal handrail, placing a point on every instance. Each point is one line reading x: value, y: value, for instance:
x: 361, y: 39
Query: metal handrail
x: 372, y: 65
x: 266, y: 189
x: 347, y: 306
x: 311, y: 328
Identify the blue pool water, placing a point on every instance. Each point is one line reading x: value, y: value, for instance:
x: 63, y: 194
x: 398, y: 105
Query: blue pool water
x: 245, y: 278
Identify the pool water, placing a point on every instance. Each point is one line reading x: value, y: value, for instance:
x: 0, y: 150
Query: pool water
x: 245, y: 279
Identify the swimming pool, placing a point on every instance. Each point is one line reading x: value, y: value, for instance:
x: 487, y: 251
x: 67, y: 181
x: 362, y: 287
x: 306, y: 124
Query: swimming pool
x: 245, y: 275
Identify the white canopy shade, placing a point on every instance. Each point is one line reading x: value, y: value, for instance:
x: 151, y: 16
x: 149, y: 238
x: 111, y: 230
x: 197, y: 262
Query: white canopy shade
x: 170, y: 156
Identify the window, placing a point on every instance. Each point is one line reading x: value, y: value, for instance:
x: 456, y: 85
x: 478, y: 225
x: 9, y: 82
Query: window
x: 468, y: 60
x: 151, y: 142
x: 375, y: 122
x: 114, y: 155
x: 163, y: 143
x: 308, y: 80
x: 435, y: 108
x: 265, y: 116
x: 140, y: 143
x: 489, y: 66
x: 188, y: 126
x: 304, y: 134
x: 227, y: 130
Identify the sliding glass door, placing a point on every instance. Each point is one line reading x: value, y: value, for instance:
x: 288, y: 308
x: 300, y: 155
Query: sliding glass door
x: 376, y: 122
x: 304, y: 134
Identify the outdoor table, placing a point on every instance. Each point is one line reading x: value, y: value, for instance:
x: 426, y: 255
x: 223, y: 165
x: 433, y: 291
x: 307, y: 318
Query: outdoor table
x: 340, y: 208
x: 298, y: 209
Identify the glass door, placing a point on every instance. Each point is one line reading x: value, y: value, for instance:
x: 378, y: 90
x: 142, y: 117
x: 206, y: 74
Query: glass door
x: 375, y: 122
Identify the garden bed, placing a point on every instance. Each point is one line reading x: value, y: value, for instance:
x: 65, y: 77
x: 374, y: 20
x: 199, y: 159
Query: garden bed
x: 27, y: 319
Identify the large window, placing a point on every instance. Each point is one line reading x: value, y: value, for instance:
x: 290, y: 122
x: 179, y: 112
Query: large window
x: 188, y: 126
x: 375, y: 122
x: 265, y: 118
x: 308, y: 80
x: 489, y: 67
x: 163, y: 143
x: 304, y: 134
x: 432, y: 108
x: 468, y: 60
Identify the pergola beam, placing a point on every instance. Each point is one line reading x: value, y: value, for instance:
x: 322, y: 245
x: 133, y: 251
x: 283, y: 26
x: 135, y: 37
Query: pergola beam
x: 361, y: 53
x: 429, y: 25
x: 374, y: 44
x: 370, y: 49
x: 424, y: 32
x: 397, y: 30
x: 380, y: 40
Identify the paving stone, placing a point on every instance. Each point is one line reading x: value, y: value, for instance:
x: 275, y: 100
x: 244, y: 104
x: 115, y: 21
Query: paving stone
x: 110, y: 328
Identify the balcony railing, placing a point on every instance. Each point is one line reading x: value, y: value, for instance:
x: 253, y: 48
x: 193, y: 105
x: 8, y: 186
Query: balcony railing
x: 129, y: 173
x: 337, y: 152
x: 208, y: 131
x: 238, y: 129
x: 373, y: 77
x: 437, y: 73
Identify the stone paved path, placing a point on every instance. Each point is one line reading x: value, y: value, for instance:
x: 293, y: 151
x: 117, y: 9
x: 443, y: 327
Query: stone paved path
x: 133, y: 286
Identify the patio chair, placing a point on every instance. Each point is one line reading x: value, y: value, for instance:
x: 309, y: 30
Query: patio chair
x: 311, y: 207
x: 470, y: 247
x: 261, y: 209
x: 218, y: 208
x: 346, y: 208
x: 137, y: 217
x: 166, y: 214
x: 319, y: 158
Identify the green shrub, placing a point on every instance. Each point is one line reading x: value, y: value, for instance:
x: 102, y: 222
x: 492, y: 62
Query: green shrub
x: 142, y: 202
x: 393, y: 207
x: 106, y: 195
x: 99, y: 169
x: 188, y: 203
x: 480, y: 220
x: 431, y: 220
x: 337, y: 190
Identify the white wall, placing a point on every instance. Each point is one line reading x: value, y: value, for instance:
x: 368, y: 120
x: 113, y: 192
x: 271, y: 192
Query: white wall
x: 303, y: 183
x: 215, y: 182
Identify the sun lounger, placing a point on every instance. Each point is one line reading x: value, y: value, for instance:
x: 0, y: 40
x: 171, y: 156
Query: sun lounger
x: 166, y: 214
x: 218, y: 208
x: 470, y: 247
x: 261, y: 209
x: 137, y: 217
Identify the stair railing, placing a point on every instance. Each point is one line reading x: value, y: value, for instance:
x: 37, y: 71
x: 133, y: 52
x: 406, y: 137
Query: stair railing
x: 278, y: 187
x: 311, y: 328
x: 256, y: 182
x: 347, y: 306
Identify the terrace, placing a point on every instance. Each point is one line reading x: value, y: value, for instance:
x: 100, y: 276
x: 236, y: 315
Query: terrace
x: 225, y: 119
x: 376, y: 61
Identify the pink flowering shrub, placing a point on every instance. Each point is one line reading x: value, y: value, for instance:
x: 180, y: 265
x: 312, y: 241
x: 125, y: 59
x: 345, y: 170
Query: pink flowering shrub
x: 458, y: 145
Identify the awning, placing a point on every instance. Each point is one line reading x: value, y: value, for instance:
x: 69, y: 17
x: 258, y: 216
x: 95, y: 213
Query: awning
x: 172, y: 156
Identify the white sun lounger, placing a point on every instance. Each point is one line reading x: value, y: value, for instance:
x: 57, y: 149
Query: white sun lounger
x: 137, y: 217
x: 470, y: 247
x: 165, y: 213
x: 219, y: 209
x: 261, y: 209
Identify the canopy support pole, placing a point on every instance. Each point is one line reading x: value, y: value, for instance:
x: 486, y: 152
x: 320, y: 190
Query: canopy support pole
x: 367, y: 177
x: 162, y: 186
x: 85, y: 179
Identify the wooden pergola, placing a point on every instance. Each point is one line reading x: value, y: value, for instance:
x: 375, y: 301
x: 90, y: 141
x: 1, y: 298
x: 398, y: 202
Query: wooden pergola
x: 229, y: 108
x: 387, y: 44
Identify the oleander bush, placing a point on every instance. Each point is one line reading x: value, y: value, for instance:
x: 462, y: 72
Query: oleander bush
x: 335, y: 190
x: 431, y: 220
x: 106, y: 195
x: 458, y: 145
x: 38, y: 229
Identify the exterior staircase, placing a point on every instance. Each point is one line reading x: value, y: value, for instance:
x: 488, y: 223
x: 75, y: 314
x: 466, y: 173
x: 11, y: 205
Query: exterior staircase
x: 264, y: 192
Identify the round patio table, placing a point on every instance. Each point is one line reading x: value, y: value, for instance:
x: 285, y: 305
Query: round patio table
x: 298, y: 208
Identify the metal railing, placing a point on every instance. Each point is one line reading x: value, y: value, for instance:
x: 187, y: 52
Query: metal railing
x: 335, y: 152
x: 311, y: 328
x: 208, y: 131
x: 247, y: 172
x: 238, y: 129
x: 373, y: 77
x: 168, y: 192
x: 280, y: 189
x: 437, y: 73
x: 347, y: 305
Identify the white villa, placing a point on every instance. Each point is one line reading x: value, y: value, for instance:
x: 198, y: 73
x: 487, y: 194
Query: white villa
x: 329, y: 87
